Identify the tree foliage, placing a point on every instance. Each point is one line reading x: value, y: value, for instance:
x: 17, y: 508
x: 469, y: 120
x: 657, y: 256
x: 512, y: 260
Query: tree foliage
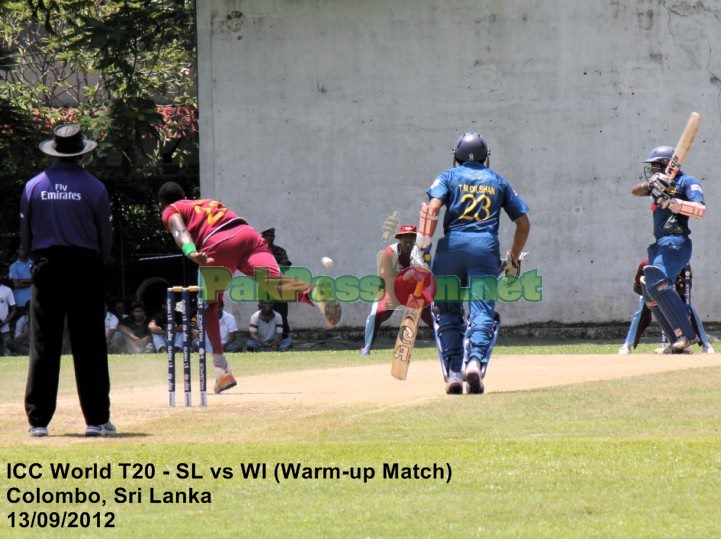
x: 122, y: 69
x: 112, y: 60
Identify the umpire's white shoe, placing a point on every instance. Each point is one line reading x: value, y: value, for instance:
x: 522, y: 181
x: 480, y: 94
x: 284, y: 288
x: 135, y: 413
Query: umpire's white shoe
x: 38, y: 432
x: 454, y: 384
x: 106, y: 429
x: 474, y: 376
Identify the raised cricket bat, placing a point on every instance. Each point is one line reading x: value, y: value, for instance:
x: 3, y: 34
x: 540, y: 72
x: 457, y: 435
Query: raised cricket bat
x: 684, y: 145
x: 407, y: 333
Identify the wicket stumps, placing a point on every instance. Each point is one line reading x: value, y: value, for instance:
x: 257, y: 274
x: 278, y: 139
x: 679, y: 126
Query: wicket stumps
x: 185, y: 292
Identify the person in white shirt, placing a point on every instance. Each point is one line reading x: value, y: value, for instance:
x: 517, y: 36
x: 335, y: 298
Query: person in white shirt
x: 228, y: 331
x: 21, y: 342
x: 7, y: 314
x: 112, y: 336
x: 266, y: 331
x: 391, y: 262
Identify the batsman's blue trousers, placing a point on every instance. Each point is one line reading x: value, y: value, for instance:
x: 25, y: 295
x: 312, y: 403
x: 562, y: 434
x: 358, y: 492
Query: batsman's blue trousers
x: 467, y: 256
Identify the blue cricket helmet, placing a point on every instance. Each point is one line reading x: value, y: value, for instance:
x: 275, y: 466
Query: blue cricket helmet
x: 660, y: 154
x: 470, y: 147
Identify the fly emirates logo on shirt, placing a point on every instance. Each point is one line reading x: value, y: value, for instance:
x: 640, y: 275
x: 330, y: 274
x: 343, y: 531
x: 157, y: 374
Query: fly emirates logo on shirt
x: 61, y: 193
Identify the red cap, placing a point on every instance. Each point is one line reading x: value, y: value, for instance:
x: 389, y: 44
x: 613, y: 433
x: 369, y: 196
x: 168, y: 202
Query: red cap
x: 405, y: 230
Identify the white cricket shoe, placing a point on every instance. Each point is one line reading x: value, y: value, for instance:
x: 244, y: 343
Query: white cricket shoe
x: 708, y: 349
x: 38, y: 432
x: 624, y: 350
x: 454, y: 384
x: 106, y: 429
x: 474, y: 376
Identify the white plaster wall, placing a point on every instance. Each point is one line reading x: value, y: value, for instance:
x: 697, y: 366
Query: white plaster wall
x: 321, y: 117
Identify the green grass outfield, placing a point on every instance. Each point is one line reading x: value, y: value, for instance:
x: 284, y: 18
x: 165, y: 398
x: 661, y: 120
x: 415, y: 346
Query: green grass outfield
x: 632, y: 457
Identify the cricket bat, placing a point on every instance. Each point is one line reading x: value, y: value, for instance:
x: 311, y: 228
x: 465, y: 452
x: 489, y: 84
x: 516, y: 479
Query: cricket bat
x: 406, y: 339
x: 684, y: 145
x: 687, y: 208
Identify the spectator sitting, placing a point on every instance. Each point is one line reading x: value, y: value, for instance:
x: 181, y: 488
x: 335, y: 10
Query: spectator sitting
x: 158, y: 327
x: 113, y: 337
x: 134, y: 328
x: 7, y: 314
x: 281, y: 257
x: 119, y: 310
x: 21, y: 342
x: 19, y: 273
x: 266, y: 331
x: 228, y: 331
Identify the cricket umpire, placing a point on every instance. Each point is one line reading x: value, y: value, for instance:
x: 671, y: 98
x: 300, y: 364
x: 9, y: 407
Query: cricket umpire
x: 66, y: 226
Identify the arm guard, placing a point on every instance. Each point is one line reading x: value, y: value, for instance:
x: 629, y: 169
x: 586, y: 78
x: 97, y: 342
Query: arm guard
x: 687, y: 208
x: 426, y: 225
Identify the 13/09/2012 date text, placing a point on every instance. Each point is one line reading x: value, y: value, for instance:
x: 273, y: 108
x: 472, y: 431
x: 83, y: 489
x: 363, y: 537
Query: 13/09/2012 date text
x: 61, y: 519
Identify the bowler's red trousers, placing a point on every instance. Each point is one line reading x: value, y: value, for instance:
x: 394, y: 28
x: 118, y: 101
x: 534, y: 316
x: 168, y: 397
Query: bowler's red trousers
x: 242, y: 248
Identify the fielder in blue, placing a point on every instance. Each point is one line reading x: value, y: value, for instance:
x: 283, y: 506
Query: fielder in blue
x: 474, y: 196
x: 674, y: 201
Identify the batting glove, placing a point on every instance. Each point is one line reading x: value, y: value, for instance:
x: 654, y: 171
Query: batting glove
x: 511, y: 267
x: 663, y: 201
x: 423, y: 241
x: 660, y: 185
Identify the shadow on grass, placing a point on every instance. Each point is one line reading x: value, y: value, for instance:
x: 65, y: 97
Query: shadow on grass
x: 119, y: 436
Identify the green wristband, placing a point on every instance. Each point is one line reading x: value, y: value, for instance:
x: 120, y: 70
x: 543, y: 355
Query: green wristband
x: 189, y: 248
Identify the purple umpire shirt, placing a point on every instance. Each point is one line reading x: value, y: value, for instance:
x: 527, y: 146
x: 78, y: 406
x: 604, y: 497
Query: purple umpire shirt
x: 66, y: 206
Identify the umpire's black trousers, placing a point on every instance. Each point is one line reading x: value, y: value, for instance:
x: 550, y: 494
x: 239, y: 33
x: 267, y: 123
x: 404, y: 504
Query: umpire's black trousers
x: 67, y: 282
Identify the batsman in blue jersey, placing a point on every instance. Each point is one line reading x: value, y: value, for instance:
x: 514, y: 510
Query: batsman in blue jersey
x: 474, y: 196
x: 674, y: 200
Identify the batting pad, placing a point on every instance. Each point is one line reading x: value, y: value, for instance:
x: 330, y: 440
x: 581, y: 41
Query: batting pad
x: 439, y: 347
x: 449, y: 335
x: 496, y: 326
x: 656, y: 312
x: 661, y: 291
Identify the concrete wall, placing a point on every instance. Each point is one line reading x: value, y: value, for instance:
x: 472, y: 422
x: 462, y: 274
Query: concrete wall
x: 321, y: 117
